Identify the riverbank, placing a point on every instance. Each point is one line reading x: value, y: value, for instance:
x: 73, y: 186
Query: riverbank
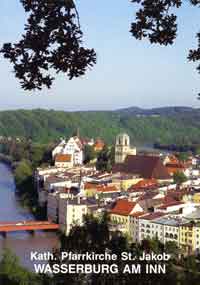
x: 11, y: 209
x: 6, y: 159
x: 25, y: 190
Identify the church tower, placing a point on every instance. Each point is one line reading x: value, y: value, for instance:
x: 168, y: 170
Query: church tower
x: 122, y: 148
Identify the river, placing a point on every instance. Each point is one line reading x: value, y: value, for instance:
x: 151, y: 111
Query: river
x: 21, y: 243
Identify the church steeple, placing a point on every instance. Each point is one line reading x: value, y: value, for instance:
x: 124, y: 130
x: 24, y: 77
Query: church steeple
x: 78, y: 132
x: 122, y: 148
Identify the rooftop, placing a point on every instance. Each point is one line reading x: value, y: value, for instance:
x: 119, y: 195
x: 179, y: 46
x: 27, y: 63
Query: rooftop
x: 123, y: 207
x: 153, y: 216
x: 63, y: 158
x: 171, y: 204
x: 171, y: 221
x: 147, y: 167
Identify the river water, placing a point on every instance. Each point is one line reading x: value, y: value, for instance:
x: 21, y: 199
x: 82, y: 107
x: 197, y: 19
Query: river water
x: 21, y: 243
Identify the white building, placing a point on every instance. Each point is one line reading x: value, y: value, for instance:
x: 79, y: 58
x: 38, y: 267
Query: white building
x: 52, y: 207
x: 64, y: 160
x: 146, y: 229
x: 164, y: 227
x: 59, y: 148
x: 72, y: 211
x: 53, y: 204
x: 73, y: 147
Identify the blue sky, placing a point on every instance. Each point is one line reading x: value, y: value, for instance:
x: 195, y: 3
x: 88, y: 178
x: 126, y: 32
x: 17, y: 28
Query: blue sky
x: 128, y: 72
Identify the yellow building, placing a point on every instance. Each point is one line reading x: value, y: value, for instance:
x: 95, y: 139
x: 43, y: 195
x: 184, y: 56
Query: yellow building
x: 92, y: 189
x: 196, y: 198
x: 120, y: 214
x: 125, y: 181
x: 187, y: 238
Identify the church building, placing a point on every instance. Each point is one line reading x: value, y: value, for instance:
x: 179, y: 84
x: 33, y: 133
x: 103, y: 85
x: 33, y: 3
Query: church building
x: 122, y: 148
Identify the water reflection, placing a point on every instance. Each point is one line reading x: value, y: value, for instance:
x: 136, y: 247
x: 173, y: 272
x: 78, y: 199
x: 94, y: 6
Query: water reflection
x: 10, y: 210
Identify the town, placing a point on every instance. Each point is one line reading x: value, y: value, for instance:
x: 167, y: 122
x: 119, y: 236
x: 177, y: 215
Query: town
x: 146, y: 194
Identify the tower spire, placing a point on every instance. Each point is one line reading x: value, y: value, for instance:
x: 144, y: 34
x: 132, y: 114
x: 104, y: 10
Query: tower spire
x: 78, y: 132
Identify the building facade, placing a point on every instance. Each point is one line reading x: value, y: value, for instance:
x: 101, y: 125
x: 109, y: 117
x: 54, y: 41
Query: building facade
x: 122, y: 148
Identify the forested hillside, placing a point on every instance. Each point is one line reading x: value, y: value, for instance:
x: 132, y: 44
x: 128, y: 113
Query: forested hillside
x: 164, y: 125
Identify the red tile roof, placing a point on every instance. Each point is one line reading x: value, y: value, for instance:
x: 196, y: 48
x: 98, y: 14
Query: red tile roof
x: 99, y: 144
x: 101, y: 188
x: 148, y: 195
x: 170, y: 204
x: 63, y: 158
x: 173, y: 159
x: 146, y: 166
x: 123, y: 207
x: 144, y: 184
x: 107, y: 189
x: 88, y: 185
x: 166, y: 200
x: 137, y: 214
x: 153, y: 216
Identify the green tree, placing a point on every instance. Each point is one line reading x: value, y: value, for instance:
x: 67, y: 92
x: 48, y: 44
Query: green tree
x: 104, y: 160
x: 94, y: 236
x: 183, y: 156
x: 152, y: 245
x: 12, y: 273
x: 179, y: 177
x: 172, y: 248
x: 191, y: 264
x: 57, y: 23
x: 89, y: 153
x: 23, y: 172
x: 62, y: 47
x: 197, y: 150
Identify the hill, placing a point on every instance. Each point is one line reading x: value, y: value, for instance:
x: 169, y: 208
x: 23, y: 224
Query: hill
x: 164, y: 125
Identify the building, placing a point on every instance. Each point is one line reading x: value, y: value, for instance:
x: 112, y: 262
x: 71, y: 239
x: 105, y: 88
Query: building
x: 53, y: 202
x: 187, y: 238
x: 94, y: 190
x: 72, y: 211
x: 122, y: 148
x: 124, y: 181
x: 196, y: 198
x: 98, y: 145
x: 73, y: 147
x: 164, y: 227
x: 64, y: 160
x: 119, y: 214
x: 59, y: 148
x: 146, y: 167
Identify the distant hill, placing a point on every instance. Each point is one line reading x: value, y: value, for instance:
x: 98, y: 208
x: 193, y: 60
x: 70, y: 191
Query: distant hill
x: 164, y: 125
x: 163, y: 111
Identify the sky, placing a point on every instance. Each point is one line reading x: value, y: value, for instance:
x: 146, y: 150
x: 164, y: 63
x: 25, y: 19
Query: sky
x: 128, y: 72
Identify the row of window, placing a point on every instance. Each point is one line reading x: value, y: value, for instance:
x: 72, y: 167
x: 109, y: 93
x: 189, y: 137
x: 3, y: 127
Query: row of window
x: 174, y: 229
